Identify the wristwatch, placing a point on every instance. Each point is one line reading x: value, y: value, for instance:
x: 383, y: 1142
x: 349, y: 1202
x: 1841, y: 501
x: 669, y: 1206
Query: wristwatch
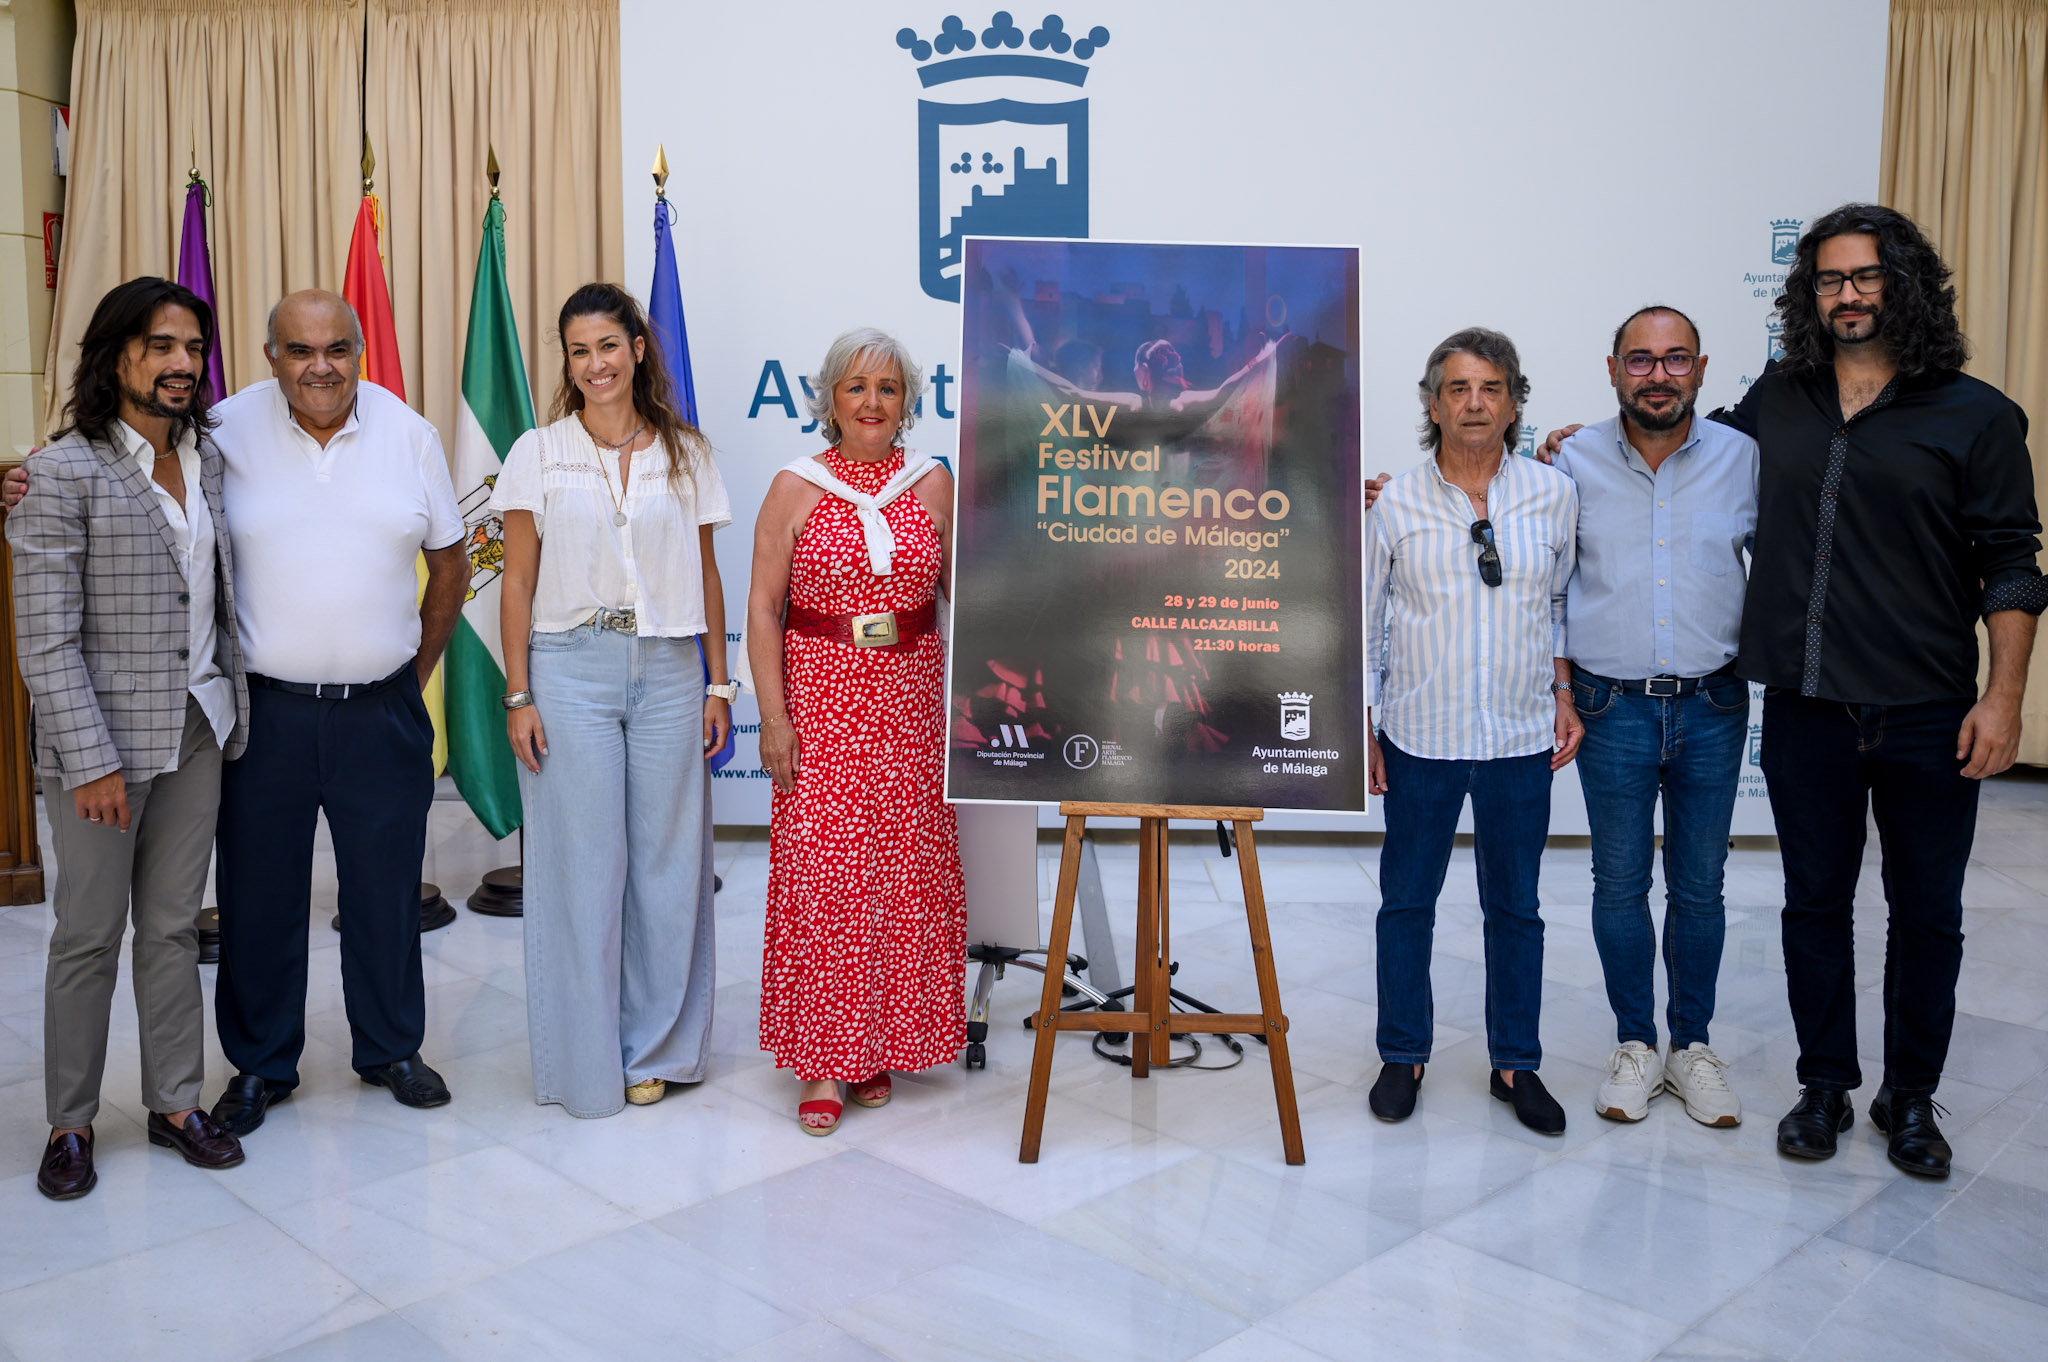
x: 1561, y: 687
x: 728, y: 692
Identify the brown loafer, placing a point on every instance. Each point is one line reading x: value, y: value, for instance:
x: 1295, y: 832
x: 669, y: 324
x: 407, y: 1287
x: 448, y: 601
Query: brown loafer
x: 67, y: 1171
x: 203, y: 1141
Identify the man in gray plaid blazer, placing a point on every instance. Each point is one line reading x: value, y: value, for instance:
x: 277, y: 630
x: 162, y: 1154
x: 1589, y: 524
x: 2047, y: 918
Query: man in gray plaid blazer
x: 125, y: 629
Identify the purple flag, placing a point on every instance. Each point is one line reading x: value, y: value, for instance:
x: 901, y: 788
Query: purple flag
x: 195, y: 271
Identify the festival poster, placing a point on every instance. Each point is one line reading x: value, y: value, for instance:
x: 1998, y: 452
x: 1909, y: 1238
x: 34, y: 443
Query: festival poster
x: 1156, y: 559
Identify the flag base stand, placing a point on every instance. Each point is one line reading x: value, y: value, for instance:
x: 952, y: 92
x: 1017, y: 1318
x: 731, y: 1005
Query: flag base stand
x: 435, y: 913
x: 502, y: 893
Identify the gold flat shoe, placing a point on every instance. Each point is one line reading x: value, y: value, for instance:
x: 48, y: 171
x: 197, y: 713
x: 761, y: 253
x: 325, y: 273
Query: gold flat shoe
x: 646, y: 1094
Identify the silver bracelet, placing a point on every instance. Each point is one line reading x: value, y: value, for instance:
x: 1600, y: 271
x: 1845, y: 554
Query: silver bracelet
x: 518, y: 699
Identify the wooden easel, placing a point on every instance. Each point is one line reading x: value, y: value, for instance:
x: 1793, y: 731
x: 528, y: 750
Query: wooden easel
x: 1153, y: 1021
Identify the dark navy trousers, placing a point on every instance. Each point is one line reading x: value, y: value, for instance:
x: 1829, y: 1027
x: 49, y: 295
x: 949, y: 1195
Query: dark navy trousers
x: 367, y: 762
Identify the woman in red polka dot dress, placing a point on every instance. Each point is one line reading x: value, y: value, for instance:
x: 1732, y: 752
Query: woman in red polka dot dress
x: 866, y: 940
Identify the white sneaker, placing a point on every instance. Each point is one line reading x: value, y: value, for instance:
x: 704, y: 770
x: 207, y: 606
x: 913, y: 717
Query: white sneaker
x: 1694, y: 1073
x: 1633, y: 1078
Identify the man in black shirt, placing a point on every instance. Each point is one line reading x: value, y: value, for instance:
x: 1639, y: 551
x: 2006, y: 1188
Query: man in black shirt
x: 1895, y: 508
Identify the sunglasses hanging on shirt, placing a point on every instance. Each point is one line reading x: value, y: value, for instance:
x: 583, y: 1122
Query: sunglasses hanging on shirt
x: 1489, y: 556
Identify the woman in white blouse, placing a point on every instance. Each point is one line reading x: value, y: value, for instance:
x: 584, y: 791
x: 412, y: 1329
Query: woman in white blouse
x: 613, y: 620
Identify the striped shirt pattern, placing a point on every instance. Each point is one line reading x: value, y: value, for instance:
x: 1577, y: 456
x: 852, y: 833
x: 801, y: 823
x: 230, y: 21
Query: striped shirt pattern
x: 1456, y: 670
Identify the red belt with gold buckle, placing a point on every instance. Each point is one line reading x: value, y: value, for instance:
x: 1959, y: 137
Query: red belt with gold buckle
x: 886, y: 629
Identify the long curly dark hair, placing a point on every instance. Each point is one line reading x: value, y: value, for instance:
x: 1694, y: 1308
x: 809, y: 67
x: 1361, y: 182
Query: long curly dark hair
x: 654, y: 392
x: 122, y: 316
x: 1919, y: 318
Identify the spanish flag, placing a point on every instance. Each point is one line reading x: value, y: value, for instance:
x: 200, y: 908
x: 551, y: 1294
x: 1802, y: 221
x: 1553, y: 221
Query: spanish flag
x: 364, y: 287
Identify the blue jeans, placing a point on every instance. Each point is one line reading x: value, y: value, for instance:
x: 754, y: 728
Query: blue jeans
x: 1689, y: 751
x: 1510, y: 819
x: 619, y: 949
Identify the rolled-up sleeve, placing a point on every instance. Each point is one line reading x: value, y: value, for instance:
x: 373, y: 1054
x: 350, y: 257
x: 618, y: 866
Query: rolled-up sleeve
x: 1379, y: 574
x: 2000, y: 516
x: 1561, y: 570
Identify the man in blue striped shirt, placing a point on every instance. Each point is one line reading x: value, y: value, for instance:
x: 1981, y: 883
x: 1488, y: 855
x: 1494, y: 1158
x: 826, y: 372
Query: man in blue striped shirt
x: 1667, y: 505
x: 1467, y: 558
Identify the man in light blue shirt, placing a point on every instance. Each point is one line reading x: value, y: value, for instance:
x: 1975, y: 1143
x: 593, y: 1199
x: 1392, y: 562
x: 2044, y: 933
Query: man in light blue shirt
x: 1667, y: 507
x: 1467, y: 560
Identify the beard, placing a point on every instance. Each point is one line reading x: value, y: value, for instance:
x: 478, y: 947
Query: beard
x: 1649, y: 420
x: 1874, y: 316
x: 157, y: 402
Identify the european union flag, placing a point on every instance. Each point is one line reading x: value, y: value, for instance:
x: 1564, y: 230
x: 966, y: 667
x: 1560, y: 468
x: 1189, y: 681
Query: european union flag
x: 665, y: 315
x: 665, y: 312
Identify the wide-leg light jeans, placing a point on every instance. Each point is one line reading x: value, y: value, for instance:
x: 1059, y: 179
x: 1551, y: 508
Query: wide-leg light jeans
x: 618, y: 883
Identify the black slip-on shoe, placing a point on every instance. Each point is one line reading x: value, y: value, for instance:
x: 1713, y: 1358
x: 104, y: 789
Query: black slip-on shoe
x: 1393, y: 1093
x: 1533, y: 1104
x: 1815, y: 1124
x: 411, y: 1082
x: 241, y: 1107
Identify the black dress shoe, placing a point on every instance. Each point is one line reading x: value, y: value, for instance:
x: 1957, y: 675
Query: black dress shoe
x: 241, y: 1107
x: 1393, y: 1093
x: 1907, y: 1120
x: 67, y: 1171
x: 1816, y: 1122
x: 1533, y: 1104
x: 411, y: 1082
x: 204, y: 1142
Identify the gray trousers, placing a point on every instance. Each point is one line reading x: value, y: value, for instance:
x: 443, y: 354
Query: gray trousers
x: 157, y: 871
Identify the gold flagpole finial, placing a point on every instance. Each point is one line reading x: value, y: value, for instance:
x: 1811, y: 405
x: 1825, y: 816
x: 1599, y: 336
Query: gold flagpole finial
x: 660, y: 171
x: 491, y: 167
x: 369, y: 165
x: 192, y: 176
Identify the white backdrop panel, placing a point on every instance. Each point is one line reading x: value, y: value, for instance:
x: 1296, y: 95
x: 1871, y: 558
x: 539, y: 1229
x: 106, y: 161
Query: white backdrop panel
x: 1542, y: 169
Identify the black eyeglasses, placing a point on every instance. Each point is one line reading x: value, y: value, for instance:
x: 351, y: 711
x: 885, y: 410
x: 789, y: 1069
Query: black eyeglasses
x: 1642, y: 366
x: 1867, y: 280
x: 1489, y: 556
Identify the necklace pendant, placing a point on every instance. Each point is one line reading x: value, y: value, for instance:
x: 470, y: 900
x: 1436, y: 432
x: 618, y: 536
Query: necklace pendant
x: 618, y: 517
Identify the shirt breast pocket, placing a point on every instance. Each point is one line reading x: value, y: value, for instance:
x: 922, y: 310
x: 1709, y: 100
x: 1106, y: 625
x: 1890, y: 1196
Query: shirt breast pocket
x: 1713, y: 542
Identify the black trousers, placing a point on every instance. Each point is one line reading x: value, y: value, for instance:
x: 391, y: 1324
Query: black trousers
x: 1826, y: 763
x: 367, y: 762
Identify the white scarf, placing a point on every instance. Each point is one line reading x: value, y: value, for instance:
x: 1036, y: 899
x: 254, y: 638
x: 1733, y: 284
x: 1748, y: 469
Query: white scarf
x: 874, y: 528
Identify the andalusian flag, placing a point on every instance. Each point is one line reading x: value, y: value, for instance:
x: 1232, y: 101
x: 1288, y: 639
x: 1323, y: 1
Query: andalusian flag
x: 497, y: 408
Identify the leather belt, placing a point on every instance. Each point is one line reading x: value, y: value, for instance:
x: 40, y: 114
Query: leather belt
x: 1660, y: 687
x: 330, y: 690
x: 886, y: 629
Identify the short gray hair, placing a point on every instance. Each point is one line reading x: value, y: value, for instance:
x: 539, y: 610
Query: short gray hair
x: 355, y: 324
x: 839, y: 359
x: 1479, y: 343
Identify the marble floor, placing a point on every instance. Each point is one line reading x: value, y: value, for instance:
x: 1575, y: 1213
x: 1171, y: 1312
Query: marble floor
x: 1161, y: 1221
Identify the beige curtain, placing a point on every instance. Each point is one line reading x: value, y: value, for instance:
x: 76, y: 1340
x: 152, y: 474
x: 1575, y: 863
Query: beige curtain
x: 265, y: 94
x: 539, y: 81
x: 1966, y: 153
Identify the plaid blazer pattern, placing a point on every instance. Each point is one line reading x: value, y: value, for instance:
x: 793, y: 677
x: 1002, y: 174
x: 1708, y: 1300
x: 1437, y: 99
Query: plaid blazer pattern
x: 100, y: 630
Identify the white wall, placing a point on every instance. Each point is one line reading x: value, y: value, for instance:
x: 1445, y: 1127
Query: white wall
x: 1542, y: 169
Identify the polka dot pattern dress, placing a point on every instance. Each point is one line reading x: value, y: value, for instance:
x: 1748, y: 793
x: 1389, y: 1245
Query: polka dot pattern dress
x: 865, y: 957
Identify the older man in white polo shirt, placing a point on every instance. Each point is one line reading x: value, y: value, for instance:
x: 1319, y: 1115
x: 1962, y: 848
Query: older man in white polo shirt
x: 333, y: 489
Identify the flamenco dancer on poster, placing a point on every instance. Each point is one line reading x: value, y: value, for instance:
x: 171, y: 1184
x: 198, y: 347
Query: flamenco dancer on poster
x: 866, y: 942
x: 1152, y: 672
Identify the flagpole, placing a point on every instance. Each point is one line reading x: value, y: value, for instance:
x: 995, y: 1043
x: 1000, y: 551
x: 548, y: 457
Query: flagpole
x: 502, y: 892
x: 665, y: 314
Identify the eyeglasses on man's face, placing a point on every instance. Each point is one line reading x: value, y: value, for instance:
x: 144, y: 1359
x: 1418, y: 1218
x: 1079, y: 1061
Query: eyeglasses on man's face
x: 1639, y: 365
x: 1869, y: 279
x: 1489, y: 556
